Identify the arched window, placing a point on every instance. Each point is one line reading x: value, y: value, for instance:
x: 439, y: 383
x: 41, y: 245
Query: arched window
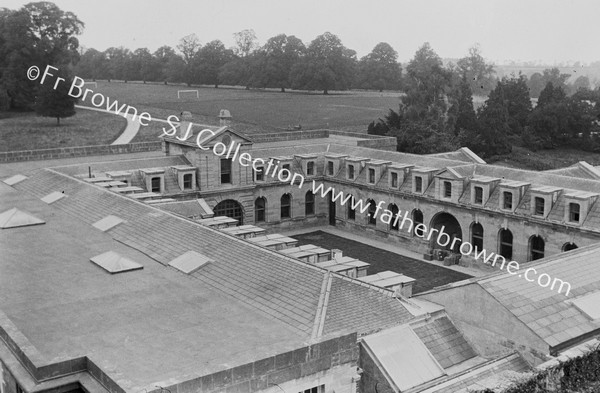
x: 417, y: 217
x: 569, y: 246
x: 286, y: 206
x: 309, y: 203
x: 372, y: 210
x: 505, y: 246
x: 351, y: 211
x: 394, y: 223
x: 477, y: 236
x: 260, y: 205
x: 536, y: 248
x: 230, y: 208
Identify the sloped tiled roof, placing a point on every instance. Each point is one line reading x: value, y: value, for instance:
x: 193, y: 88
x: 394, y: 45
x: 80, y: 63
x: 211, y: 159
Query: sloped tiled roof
x: 445, y: 342
x: 281, y: 287
x: 546, y: 312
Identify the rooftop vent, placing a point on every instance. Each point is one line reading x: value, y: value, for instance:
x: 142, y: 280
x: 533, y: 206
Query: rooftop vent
x: 53, y: 197
x: 115, y: 263
x: 11, y: 181
x: 107, y: 223
x: 15, y: 218
x: 190, y: 262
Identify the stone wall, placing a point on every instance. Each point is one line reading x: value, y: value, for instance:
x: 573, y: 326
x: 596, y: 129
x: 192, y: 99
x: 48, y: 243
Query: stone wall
x: 331, y: 363
x: 78, y: 151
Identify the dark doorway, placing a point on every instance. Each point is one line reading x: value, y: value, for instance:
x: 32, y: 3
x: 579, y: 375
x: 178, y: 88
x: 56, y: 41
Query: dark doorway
x: 331, y: 212
x: 451, y: 227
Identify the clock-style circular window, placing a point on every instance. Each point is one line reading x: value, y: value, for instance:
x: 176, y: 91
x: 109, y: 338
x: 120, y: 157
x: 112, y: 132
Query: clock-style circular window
x: 226, y: 140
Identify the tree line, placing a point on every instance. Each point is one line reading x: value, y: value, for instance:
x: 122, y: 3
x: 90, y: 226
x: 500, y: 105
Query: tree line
x: 436, y: 113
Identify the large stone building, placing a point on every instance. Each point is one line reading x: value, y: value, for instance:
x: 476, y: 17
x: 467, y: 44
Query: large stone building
x: 109, y: 281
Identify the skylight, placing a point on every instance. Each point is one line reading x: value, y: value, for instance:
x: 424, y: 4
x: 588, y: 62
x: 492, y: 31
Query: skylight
x: 11, y: 181
x: 53, y: 197
x: 589, y: 304
x: 113, y: 262
x: 107, y: 223
x: 15, y: 218
x: 189, y: 262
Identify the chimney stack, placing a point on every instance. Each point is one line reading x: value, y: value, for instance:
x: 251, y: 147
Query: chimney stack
x: 224, y: 118
x: 186, y: 119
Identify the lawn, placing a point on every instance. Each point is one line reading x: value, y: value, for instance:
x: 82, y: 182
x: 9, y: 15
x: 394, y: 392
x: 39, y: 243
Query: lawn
x: 428, y: 275
x: 523, y: 158
x: 256, y: 110
x: 27, y: 131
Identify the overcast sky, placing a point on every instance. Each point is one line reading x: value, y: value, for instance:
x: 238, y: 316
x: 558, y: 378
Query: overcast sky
x: 521, y: 30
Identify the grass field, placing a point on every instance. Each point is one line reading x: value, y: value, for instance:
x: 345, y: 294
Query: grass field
x: 27, y: 131
x: 256, y: 110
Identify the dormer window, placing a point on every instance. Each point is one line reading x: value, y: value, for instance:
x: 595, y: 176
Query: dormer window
x: 350, y: 172
x: 478, y: 195
x: 187, y: 181
x: 574, y: 212
x: 371, y: 175
x: 155, y: 184
x: 286, y: 166
x: 507, y: 202
x: 447, y: 189
x: 394, y: 179
x: 330, y: 168
x: 539, y: 206
x: 310, y: 168
x: 418, y: 184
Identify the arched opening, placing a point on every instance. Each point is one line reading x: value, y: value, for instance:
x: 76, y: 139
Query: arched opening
x: 372, y: 220
x: 309, y: 203
x: 351, y: 210
x: 536, y: 247
x: 417, y: 217
x: 569, y: 246
x: 286, y: 206
x: 448, y: 224
x: 230, y: 208
x: 477, y: 236
x: 260, y: 209
x: 505, y: 246
x: 394, y: 225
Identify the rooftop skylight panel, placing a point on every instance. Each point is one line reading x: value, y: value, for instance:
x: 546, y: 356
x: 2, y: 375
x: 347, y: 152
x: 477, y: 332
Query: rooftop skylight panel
x: 53, y: 197
x: 589, y: 304
x: 15, y: 218
x: 114, y: 263
x: 107, y: 223
x: 11, y: 181
x: 190, y: 262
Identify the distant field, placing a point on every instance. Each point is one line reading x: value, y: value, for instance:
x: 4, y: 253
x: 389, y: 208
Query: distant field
x: 26, y: 131
x: 257, y: 110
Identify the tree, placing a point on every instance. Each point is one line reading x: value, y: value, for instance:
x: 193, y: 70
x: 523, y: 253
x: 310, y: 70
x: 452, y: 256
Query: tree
x: 427, y: 85
x: 163, y: 57
x: 92, y: 65
x: 327, y: 65
x: 551, y: 95
x: 119, y: 63
x: 143, y: 67
x: 189, y: 46
x: 462, y: 109
x: 209, y: 59
x: 51, y: 102
x: 509, y: 104
x: 479, y: 74
x: 582, y: 82
x: 276, y: 59
x: 246, y: 42
x: 37, y: 34
x: 536, y: 85
x: 238, y: 71
x: 380, y: 69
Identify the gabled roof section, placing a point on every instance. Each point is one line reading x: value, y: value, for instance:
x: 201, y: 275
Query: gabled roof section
x: 11, y: 181
x: 15, y: 218
x: 113, y: 262
x: 582, y: 170
x: 450, y: 173
x: 189, y: 262
x: 405, y: 360
x: 220, y: 133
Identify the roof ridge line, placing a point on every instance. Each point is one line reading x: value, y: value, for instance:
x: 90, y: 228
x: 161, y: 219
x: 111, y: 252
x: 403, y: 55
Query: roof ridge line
x: 322, y: 307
